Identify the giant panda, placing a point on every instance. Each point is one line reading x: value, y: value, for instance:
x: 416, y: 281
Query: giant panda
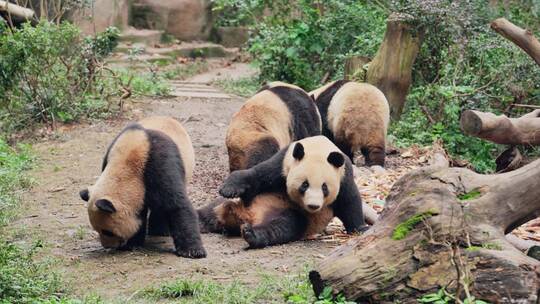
x: 355, y: 117
x: 298, y: 192
x: 277, y: 115
x: 146, y: 169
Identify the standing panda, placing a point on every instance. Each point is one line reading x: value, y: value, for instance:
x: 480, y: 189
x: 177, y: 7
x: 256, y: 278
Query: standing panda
x: 146, y: 168
x: 355, y: 117
x: 277, y: 115
x: 298, y: 192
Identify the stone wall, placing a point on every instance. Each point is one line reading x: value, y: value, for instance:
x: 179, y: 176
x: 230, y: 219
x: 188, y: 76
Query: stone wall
x: 183, y: 19
x: 102, y: 14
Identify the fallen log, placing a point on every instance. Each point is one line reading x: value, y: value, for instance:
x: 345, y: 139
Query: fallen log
x: 521, y: 37
x: 16, y: 10
x: 442, y: 228
x: 391, y: 68
x: 524, y: 130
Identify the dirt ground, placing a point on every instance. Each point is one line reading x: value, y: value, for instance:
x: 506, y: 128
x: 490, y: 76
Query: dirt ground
x: 55, y: 214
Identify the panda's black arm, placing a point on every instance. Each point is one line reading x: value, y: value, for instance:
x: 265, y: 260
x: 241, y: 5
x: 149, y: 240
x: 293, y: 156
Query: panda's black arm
x: 348, y: 204
x: 265, y: 177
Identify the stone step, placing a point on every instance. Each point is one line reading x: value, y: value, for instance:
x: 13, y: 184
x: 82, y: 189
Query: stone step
x: 157, y: 59
x: 193, y: 50
x: 196, y: 94
x: 148, y: 37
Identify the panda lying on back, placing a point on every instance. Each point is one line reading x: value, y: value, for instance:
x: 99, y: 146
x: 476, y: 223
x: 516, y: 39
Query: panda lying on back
x: 298, y: 191
x: 146, y: 168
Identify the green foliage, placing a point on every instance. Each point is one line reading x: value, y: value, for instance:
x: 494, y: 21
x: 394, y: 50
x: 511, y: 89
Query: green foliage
x: 326, y: 297
x: 22, y: 280
x: 269, y: 289
x: 443, y: 297
x: 402, y: 230
x: 48, y: 74
x: 246, y: 12
x: 13, y: 163
x: 244, y: 87
x: 303, y: 48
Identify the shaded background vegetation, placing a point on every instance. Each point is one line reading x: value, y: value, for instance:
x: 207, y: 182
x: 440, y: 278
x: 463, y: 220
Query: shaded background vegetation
x: 462, y: 63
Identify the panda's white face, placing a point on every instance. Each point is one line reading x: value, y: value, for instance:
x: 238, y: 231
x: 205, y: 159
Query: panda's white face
x: 314, y: 177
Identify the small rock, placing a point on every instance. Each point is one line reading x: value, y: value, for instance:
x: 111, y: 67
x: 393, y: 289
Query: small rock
x: 378, y: 169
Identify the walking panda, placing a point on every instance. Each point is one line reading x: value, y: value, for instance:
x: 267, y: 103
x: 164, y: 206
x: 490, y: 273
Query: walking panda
x: 277, y: 115
x: 297, y: 191
x: 355, y: 116
x: 146, y: 168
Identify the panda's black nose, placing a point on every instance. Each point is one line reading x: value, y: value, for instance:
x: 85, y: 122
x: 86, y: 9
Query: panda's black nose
x: 313, y: 207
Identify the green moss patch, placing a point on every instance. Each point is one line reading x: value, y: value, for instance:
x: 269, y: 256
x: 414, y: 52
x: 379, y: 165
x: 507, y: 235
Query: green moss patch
x: 470, y: 195
x: 403, y: 229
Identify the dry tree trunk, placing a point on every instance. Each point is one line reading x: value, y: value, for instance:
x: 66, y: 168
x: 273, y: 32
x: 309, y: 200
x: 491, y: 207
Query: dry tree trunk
x: 16, y: 10
x: 521, y: 37
x: 442, y: 228
x: 391, y: 69
x: 524, y: 130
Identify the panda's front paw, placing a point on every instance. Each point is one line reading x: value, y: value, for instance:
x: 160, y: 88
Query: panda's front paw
x: 192, y: 253
x: 251, y: 236
x: 236, y: 185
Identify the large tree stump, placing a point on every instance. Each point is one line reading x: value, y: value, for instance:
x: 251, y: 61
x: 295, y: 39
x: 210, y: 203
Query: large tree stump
x: 456, y: 239
x: 391, y: 69
x: 524, y: 130
x: 355, y: 68
x: 521, y: 37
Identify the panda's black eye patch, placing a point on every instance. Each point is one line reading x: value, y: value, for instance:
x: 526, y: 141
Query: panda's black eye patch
x: 325, y: 189
x: 107, y: 233
x: 303, y: 188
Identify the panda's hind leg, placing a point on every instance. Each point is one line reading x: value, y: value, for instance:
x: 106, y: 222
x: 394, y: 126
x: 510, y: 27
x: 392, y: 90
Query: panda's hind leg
x: 284, y: 227
x: 374, y: 155
x: 158, y: 224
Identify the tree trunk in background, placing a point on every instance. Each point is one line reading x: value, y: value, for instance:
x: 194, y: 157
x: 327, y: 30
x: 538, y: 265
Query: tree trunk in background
x: 521, y: 37
x: 442, y: 228
x: 354, y: 68
x: 524, y: 130
x: 391, y: 69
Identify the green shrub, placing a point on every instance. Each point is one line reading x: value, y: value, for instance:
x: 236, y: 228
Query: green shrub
x: 303, y: 48
x: 48, y: 74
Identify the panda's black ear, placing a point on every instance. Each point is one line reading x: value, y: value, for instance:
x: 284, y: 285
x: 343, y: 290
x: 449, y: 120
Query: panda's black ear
x: 105, y: 206
x: 336, y: 159
x: 84, y: 194
x: 298, y: 151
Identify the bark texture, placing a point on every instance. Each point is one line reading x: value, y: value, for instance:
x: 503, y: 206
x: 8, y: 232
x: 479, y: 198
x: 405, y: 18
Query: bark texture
x: 391, y: 69
x: 524, y: 130
x: 355, y: 68
x: 521, y: 37
x: 458, y: 242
